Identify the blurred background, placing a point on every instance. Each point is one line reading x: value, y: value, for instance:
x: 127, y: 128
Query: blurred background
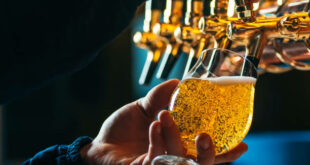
x: 77, y: 105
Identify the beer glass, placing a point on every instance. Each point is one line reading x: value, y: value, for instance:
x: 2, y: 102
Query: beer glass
x: 215, y: 97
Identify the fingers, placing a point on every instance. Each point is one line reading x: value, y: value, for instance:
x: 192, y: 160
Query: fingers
x: 171, y: 135
x: 205, y: 150
x: 157, y: 145
x: 158, y: 98
x: 232, y: 155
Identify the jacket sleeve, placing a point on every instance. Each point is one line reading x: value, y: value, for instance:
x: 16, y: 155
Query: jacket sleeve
x: 61, y: 154
x: 46, y: 39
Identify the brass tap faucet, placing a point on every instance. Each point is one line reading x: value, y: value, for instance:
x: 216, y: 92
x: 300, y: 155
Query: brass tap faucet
x: 172, y: 19
x: 155, y: 45
x: 193, y: 40
x: 254, y: 34
x: 250, y: 28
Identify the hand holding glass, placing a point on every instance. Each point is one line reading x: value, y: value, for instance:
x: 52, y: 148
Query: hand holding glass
x: 216, y: 97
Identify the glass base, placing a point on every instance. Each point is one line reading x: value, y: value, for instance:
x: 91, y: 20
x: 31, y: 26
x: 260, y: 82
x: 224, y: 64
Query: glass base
x: 172, y: 160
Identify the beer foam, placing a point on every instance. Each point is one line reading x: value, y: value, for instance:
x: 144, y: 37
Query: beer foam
x: 227, y: 80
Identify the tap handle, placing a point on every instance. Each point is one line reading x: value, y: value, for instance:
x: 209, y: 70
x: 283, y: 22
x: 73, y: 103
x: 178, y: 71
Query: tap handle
x: 150, y: 66
x: 173, y: 52
x: 191, y: 61
x: 147, y: 72
x: 152, y: 16
x: 253, y: 52
x: 194, y: 10
x: 195, y: 53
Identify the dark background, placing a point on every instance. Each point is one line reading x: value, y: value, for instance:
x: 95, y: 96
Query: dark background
x: 77, y: 105
x: 69, y: 107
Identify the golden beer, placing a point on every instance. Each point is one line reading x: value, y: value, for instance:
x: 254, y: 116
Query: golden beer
x: 221, y: 107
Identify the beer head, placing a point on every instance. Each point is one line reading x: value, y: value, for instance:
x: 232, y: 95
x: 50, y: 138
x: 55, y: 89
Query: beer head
x: 229, y: 80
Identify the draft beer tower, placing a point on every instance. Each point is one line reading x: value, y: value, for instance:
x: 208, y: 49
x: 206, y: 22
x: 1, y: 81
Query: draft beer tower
x: 264, y: 32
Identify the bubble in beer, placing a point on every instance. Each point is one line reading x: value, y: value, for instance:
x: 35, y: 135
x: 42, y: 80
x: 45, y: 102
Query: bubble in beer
x: 221, y: 107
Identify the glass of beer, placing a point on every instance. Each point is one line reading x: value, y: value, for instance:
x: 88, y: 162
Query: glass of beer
x: 215, y: 97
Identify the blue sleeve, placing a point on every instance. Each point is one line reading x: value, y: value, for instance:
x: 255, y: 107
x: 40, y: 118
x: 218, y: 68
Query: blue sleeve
x: 61, y: 154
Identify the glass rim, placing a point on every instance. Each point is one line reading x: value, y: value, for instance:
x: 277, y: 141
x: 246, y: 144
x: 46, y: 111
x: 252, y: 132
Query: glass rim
x: 172, y: 159
x: 230, y: 51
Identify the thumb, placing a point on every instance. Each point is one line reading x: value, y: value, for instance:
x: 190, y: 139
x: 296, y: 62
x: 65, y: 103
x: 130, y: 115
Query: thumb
x: 158, y: 98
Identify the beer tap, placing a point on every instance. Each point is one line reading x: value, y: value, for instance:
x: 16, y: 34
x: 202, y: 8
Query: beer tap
x: 216, y: 24
x: 219, y: 15
x: 254, y: 40
x: 268, y: 30
x: 254, y: 32
x: 148, y: 40
x: 172, y: 19
x: 193, y: 40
